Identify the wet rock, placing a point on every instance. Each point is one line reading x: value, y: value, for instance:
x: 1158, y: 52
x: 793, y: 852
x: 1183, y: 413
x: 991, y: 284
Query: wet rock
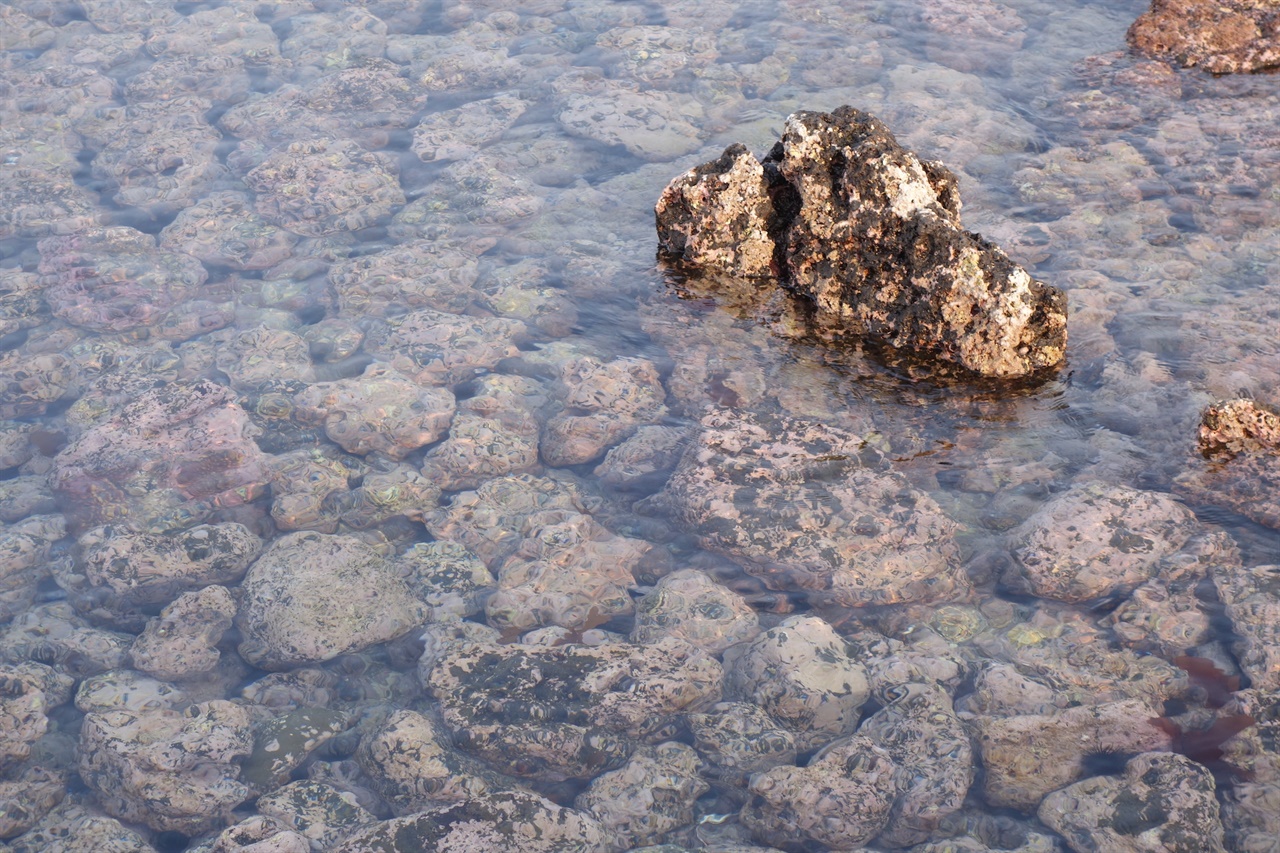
x: 527, y: 291
x: 480, y: 193
x: 172, y: 771
x: 1028, y: 756
x: 222, y: 229
x: 24, y: 552
x: 381, y: 411
x: 1220, y: 36
x: 971, y: 37
x: 312, y: 597
x: 841, y: 799
x: 1250, y: 596
x: 72, y: 828
x: 433, y: 348
x: 853, y: 194
x: 644, y: 460
x: 22, y: 497
x: 458, y: 133
x: 261, y: 359
x: 1097, y: 540
x: 24, y: 705
x: 38, y: 202
x: 282, y: 743
x: 28, y: 796
x: 495, y: 433
x: 174, y: 454
x: 29, y: 385
x: 307, y: 485
x: 474, y: 59
x: 801, y: 674
x: 328, y: 39
x: 145, y: 568
x: 602, y: 403
x: 112, y: 16
x: 128, y: 690
x: 1239, y: 440
x: 690, y: 605
x: 412, y: 766
x: 567, y: 571
x: 509, y: 822
x: 260, y: 834
x: 53, y: 634
x: 182, y: 642
x: 396, y: 492
x: 436, y: 274
x: 652, y: 125
x: 490, y: 521
x: 318, y: 812
x: 288, y: 691
x: 215, y: 78
x: 114, y: 279
x: 804, y: 504
x: 1161, y: 802
x: 738, y: 739
x: 647, y: 798
x: 325, y: 186
x: 567, y: 711
x: 451, y: 581
x: 222, y: 31
x: 656, y: 56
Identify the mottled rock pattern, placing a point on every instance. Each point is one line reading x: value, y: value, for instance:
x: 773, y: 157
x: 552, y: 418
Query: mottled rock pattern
x: 650, y: 796
x: 434, y: 348
x: 1240, y: 443
x: 690, y: 605
x: 495, y: 433
x: 318, y: 812
x: 448, y: 578
x: 1220, y: 36
x: 871, y: 235
x: 182, y: 642
x: 602, y: 403
x: 738, y: 739
x: 412, y: 765
x: 54, y: 634
x: 1253, y: 606
x: 311, y: 597
x: 808, y: 505
x: 1162, y: 802
x: 24, y: 552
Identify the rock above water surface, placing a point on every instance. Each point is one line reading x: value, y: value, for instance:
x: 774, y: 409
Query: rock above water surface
x: 1222, y: 36
x: 871, y: 234
x: 1240, y: 442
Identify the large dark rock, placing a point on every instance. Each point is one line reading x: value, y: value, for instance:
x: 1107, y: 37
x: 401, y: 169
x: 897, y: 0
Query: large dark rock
x: 1222, y: 36
x: 843, y: 215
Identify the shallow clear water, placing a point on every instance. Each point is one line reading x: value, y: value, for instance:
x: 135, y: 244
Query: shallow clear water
x: 1148, y: 194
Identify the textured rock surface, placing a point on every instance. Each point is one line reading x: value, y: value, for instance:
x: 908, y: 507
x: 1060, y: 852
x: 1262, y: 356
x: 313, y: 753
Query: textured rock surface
x: 1162, y: 802
x: 182, y: 642
x: 1222, y: 36
x: 690, y: 605
x: 1253, y: 606
x: 871, y: 235
x: 809, y: 505
x: 1240, y: 443
x: 650, y: 796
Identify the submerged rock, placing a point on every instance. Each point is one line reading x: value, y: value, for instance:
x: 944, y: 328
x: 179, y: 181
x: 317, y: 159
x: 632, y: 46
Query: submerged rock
x: 846, y: 217
x: 1240, y: 442
x: 1222, y: 36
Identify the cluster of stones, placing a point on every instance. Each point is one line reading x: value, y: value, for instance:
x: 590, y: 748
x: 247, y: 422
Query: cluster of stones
x: 870, y: 234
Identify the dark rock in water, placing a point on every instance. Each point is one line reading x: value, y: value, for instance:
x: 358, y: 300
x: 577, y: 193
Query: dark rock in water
x: 1221, y: 36
x: 843, y: 215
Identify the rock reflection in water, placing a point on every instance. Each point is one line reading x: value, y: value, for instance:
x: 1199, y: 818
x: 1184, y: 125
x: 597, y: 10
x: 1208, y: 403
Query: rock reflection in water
x: 365, y: 483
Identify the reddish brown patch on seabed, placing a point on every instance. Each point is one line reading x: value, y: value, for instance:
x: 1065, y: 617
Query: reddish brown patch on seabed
x: 1204, y: 746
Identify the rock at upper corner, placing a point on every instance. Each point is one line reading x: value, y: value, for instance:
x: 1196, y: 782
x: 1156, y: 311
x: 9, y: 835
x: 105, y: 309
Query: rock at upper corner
x: 869, y: 232
x: 1220, y: 36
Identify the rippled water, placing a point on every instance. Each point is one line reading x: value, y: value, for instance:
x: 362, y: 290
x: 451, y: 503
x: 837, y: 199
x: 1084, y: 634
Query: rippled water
x: 1148, y: 194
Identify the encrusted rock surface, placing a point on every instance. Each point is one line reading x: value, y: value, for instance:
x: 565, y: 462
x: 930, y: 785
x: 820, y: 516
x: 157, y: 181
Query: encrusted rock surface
x: 1240, y: 442
x: 646, y: 798
x: 871, y: 234
x: 1221, y: 36
x: 690, y: 605
x: 1252, y: 605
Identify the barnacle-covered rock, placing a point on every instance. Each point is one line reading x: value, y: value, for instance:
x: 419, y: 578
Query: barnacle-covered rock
x: 320, y: 813
x: 433, y: 348
x: 802, y: 675
x: 380, y: 411
x: 169, y: 770
x: 325, y: 186
x: 147, y: 568
x: 919, y: 730
x: 29, y: 384
x: 650, y: 796
x: 363, y: 101
x: 568, y: 571
x: 436, y: 274
x: 24, y: 552
x: 450, y: 580
x: 567, y: 711
x: 841, y: 799
x: 311, y: 597
x: 412, y: 765
x: 458, y: 133
x: 55, y: 635
x: 806, y: 504
x: 871, y: 235
x: 283, y: 742
x: 506, y: 822
x: 163, y: 156
x: 114, y: 279
x: 1252, y: 605
x: 690, y: 605
x: 1162, y: 801
x: 737, y: 739
x: 1097, y: 540
x: 652, y: 125
x: 602, y: 403
x: 1030, y: 755
x: 495, y: 433
x: 1220, y: 36
x: 223, y: 230
x: 182, y: 642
